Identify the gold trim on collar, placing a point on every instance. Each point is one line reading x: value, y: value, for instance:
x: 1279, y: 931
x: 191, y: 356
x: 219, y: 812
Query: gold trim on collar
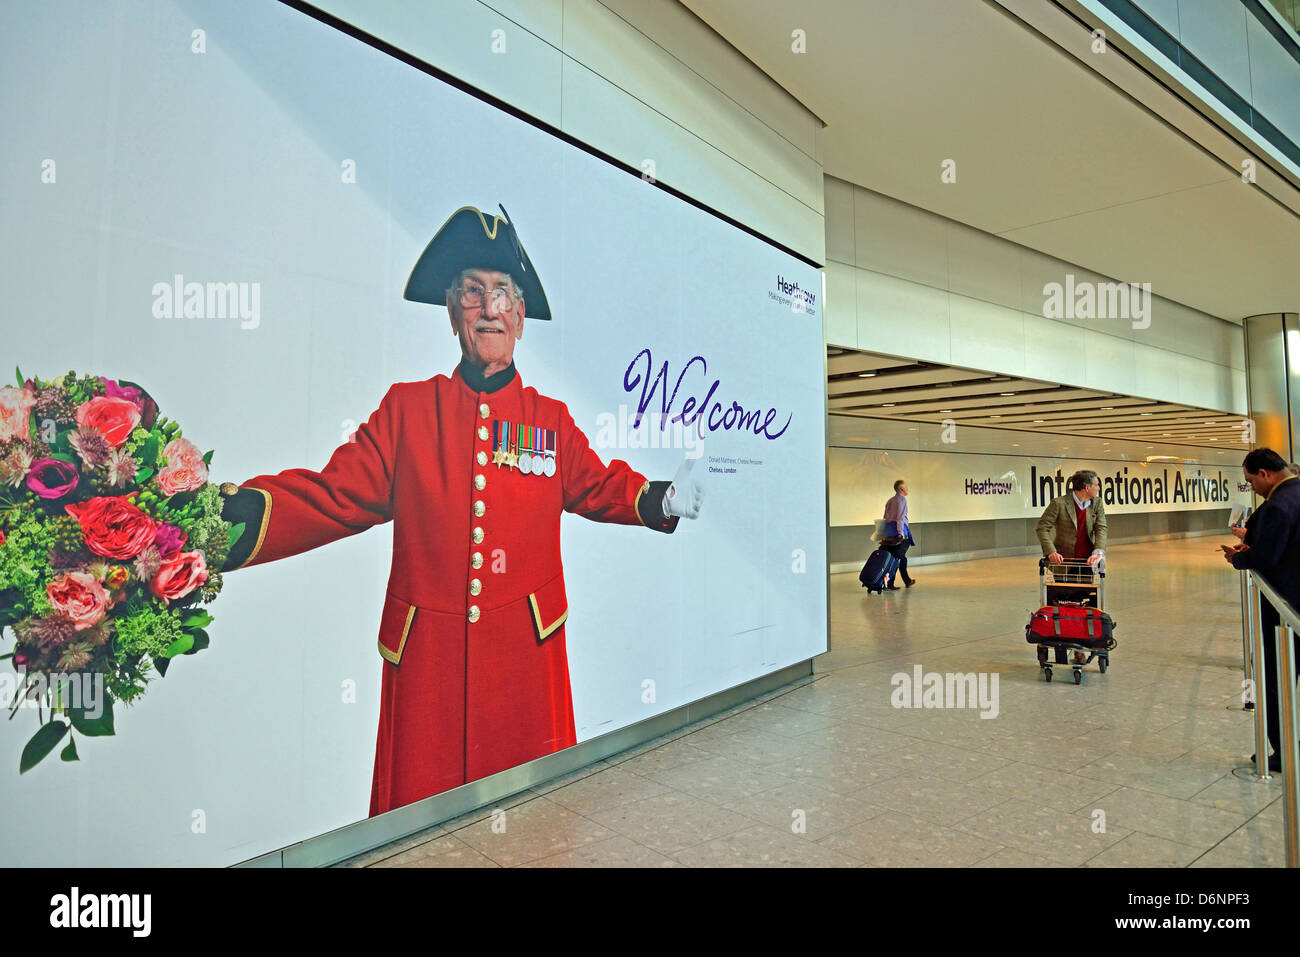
x: 544, y: 632
x: 261, y: 532
x: 395, y: 657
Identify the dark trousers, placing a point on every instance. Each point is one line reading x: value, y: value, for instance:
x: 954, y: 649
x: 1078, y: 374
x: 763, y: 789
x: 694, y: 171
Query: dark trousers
x: 1269, y: 620
x: 900, y: 552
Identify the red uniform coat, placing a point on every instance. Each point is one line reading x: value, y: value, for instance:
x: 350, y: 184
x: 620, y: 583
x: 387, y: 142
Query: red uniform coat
x: 476, y: 679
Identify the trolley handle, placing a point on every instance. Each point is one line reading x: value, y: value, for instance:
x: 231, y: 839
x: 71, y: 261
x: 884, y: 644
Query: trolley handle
x: 1043, y: 563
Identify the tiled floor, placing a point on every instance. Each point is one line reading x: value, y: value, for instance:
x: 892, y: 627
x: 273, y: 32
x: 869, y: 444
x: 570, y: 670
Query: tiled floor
x: 1131, y: 768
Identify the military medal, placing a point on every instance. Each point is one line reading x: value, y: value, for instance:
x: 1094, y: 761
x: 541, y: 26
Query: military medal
x: 548, y: 462
x: 537, y: 445
x: 525, y: 445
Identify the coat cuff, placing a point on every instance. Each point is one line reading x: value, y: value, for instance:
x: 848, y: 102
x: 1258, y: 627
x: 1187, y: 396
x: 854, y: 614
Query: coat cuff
x: 650, y: 507
x: 252, y: 506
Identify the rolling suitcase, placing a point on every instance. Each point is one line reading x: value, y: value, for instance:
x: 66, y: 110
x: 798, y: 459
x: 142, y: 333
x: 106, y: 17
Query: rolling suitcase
x: 879, y: 567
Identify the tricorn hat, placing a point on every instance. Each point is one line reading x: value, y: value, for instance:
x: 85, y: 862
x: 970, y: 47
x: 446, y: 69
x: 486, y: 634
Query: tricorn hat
x: 471, y: 240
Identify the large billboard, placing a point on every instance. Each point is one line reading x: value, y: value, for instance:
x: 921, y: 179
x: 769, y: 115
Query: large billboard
x: 513, y: 448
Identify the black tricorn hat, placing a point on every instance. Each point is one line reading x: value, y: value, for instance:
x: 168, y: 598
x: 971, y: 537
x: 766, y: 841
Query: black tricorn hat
x: 467, y: 240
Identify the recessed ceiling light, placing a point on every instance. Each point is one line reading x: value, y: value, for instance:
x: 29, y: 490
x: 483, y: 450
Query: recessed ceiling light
x: 945, y: 410
x: 1006, y: 393
x: 913, y: 429
x: 1108, y: 408
x: 1214, y: 440
x: 1039, y: 421
x: 1015, y: 445
x: 1164, y: 435
x: 865, y: 375
x: 995, y: 416
x: 1211, y: 423
x: 889, y: 405
x: 1144, y: 413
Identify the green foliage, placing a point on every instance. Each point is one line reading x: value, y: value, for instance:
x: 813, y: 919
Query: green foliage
x: 23, y: 561
x: 146, y: 630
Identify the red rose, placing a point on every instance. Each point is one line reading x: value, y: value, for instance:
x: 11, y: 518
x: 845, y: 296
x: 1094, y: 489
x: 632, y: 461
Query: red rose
x: 114, y: 418
x: 113, y: 527
x: 179, y: 575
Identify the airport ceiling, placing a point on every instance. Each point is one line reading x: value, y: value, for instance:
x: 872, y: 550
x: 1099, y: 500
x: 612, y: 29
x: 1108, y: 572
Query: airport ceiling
x: 886, y: 387
x: 1083, y: 156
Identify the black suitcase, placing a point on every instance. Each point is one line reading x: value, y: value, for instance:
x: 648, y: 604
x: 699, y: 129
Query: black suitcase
x: 879, y: 567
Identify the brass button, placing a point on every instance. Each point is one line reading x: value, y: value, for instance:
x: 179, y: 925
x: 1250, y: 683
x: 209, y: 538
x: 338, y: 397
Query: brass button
x: 479, y: 509
x: 482, y: 433
x: 480, y: 482
x: 476, y: 560
x: 484, y: 411
x: 478, y: 536
x: 473, y: 614
x: 481, y: 458
x: 475, y: 586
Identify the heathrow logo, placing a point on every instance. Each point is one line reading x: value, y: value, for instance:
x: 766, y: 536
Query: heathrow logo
x: 794, y: 297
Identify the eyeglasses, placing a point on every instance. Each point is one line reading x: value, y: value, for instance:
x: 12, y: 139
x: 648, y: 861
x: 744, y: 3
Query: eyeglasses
x: 473, y: 295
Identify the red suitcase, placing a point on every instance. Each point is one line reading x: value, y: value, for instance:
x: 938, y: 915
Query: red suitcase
x: 1071, y: 622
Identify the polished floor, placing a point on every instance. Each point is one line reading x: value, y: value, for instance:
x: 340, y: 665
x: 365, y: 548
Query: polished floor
x: 1130, y: 768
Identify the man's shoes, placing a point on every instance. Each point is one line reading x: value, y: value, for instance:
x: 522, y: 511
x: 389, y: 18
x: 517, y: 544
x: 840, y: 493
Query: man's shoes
x: 891, y: 588
x: 1080, y: 658
x: 1274, y: 762
x: 909, y: 584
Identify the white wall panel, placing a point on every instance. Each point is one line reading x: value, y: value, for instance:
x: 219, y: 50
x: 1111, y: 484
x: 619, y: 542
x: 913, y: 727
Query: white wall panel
x: 457, y: 37
x: 841, y: 305
x: 1157, y: 373
x: 607, y: 45
x: 900, y: 240
x: 986, y: 335
x: 1048, y: 353
x: 596, y: 111
x: 902, y: 318
x: 839, y: 221
x: 984, y: 266
x: 1108, y: 361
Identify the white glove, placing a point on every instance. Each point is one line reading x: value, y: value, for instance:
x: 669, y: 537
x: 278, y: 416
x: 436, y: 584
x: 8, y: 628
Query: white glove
x: 685, y: 495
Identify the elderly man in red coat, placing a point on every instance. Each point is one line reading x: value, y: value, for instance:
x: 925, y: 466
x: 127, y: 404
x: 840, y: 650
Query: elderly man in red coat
x: 474, y: 470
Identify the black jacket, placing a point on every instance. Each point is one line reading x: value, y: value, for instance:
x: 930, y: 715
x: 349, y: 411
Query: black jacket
x: 1273, y: 534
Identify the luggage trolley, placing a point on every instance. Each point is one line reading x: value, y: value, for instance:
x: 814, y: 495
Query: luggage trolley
x: 1073, y: 580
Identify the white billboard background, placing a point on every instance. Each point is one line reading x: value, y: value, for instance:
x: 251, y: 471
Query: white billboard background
x: 861, y: 480
x: 228, y: 166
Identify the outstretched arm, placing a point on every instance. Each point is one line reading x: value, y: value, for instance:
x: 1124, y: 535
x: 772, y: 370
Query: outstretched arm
x: 298, y: 509
x: 608, y: 493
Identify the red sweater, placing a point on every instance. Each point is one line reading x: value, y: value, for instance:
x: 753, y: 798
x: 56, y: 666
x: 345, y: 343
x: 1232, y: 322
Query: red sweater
x: 1082, y: 545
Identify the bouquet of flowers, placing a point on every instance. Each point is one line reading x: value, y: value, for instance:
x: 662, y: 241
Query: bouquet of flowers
x: 110, y: 540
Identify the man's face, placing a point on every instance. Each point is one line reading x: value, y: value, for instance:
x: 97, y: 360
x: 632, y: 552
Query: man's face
x: 903, y: 489
x: 1089, y: 493
x: 1262, y: 482
x: 490, y: 325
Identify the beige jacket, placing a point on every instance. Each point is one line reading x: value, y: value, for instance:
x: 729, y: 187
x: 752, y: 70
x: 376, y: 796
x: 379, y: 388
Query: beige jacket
x: 1056, y: 529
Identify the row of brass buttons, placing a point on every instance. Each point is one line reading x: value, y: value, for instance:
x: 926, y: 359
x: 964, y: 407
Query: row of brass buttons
x: 480, y: 483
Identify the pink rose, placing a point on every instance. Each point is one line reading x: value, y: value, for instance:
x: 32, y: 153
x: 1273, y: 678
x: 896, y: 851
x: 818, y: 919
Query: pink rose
x: 184, y: 452
x: 79, y: 596
x: 179, y: 575
x: 182, y: 478
x: 15, y: 412
x: 114, y: 418
x: 51, y: 478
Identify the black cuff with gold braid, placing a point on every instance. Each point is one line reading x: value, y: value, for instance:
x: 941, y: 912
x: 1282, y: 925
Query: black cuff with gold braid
x: 650, y: 507
x: 247, y: 505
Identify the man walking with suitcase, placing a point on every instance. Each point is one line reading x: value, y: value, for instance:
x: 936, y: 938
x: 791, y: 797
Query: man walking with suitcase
x: 898, y: 534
